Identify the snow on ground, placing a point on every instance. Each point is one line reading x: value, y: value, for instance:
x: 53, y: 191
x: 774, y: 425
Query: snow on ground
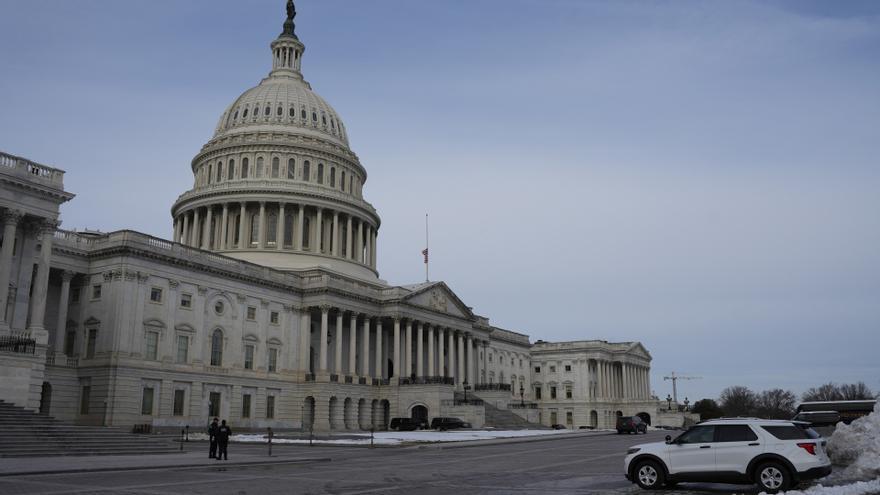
x: 857, y: 488
x: 857, y: 446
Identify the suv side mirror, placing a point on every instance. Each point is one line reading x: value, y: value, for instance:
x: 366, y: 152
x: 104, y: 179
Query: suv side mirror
x: 668, y: 439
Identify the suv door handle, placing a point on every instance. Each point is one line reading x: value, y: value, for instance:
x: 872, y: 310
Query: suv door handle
x: 705, y: 446
x: 755, y: 444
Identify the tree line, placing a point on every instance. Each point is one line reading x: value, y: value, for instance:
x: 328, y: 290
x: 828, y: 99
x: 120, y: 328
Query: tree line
x: 775, y: 403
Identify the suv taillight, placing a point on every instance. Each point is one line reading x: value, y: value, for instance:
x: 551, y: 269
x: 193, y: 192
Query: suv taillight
x: 809, y: 447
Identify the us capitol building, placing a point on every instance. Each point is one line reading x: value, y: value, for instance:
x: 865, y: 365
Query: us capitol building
x: 266, y: 307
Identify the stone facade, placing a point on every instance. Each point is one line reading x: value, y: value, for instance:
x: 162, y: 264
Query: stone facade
x: 266, y: 307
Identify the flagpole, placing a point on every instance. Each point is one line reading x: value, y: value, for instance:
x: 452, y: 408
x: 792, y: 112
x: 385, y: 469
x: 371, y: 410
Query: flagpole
x: 427, y: 263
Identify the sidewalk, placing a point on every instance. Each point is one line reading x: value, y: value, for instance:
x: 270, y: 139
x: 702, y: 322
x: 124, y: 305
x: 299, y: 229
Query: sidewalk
x: 18, y: 466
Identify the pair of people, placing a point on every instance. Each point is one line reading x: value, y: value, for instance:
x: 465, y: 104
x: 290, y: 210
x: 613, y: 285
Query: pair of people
x: 218, y: 437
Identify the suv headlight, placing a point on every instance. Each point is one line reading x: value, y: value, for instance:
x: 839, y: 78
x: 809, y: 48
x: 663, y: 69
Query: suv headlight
x: 632, y: 450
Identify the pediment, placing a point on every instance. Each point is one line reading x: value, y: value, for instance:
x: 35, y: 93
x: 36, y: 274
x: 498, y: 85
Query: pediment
x: 438, y: 297
x: 639, y: 350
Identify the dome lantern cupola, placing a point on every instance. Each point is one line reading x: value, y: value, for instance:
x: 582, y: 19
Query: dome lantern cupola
x: 287, y: 49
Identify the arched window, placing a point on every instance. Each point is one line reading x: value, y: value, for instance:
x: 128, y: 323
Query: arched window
x: 307, y: 171
x: 245, y: 168
x: 217, y: 348
x: 271, y: 228
x: 307, y: 226
x: 255, y: 228
x: 292, y: 112
x: 219, y: 171
x: 244, y: 115
x: 350, y: 183
x: 324, y: 119
x: 259, y: 171
x: 320, y: 173
x: 210, y: 174
x: 267, y: 111
x: 314, y: 117
x: 276, y: 167
x: 333, y: 123
x: 279, y: 111
x: 291, y: 169
x: 332, y: 177
x: 302, y: 114
x: 235, y: 117
x: 230, y: 170
x: 288, y: 229
x: 342, y: 181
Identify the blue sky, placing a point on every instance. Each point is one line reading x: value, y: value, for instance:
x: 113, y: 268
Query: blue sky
x: 699, y: 176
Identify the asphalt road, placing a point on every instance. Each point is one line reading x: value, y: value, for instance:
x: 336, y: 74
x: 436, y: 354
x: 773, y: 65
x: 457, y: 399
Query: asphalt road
x: 582, y: 465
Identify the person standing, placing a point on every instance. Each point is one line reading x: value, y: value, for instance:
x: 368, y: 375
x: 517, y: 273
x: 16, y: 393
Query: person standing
x: 212, y: 438
x: 223, y: 434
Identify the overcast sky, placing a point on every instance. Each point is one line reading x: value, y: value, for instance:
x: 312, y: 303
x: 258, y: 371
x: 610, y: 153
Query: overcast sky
x: 701, y: 176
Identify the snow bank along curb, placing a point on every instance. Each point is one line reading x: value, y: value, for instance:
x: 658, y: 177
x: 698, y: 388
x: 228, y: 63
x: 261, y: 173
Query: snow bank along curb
x: 857, y: 488
x: 58, y: 469
x: 857, y: 446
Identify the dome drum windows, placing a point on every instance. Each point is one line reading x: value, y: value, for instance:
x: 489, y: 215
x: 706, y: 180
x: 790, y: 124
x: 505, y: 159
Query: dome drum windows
x: 258, y: 172
x: 291, y: 169
x: 276, y: 167
x: 245, y: 168
x: 230, y: 170
x: 320, y: 173
x: 307, y: 172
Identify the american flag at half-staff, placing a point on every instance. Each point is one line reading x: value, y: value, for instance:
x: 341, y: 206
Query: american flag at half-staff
x: 425, y: 251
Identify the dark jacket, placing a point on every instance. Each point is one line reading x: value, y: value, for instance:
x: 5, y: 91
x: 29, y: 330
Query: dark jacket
x: 212, y: 430
x: 223, y: 434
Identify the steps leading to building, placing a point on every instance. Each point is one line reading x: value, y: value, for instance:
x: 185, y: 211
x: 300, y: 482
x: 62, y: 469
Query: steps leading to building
x: 25, y: 433
x: 503, y: 419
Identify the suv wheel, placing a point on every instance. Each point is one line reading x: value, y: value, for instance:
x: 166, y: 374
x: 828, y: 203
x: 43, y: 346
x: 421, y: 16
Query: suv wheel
x: 649, y: 475
x: 772, y: 477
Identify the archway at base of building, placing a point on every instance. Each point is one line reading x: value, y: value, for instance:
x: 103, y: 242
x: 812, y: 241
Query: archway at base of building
x: 385, y: 411
x: 645, y: 417
x: 308, y: 413
x: 45, y: 398
x: 420, y: 413
x: 374, y: 414
x: 334, y: 412
x: 594, y: 419
x: 363, y: 415
x: 618, y: 413
x: 349, y: 418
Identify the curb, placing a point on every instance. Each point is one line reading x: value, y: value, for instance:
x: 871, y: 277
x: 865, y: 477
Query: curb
x: 170, y: 466
x: 507, y: 441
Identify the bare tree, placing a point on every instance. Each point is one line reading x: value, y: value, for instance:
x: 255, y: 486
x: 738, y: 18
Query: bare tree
x: 856, y: 391
x: 776, y: 404
x: 827, y: 392
x: 738, y: 401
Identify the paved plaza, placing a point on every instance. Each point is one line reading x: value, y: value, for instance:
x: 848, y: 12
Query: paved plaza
x: 570, y: 464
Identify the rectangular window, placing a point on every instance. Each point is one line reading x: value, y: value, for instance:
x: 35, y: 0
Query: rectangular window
x: 270, y: 407
x: 251, y: 313
x: 96, y: 292
x: 74, y: 295
x: 186, y: 301
x: 568, y: 391
x: 552, y: 392
x: 273, y: 360
x: 246, y: 406
x: 152, y: 345
x: 537, y: 369
x: 156, y: 295
x: 70, y: 343
x: 248, y: 357
x: 569, y: 418
x: 568, y: 367
x: 84, y: 399
x: 147, y: 402
x: 91, y: 343
x: 214, y: 404
x: 179, y: 397
x: 182, y: 349
x: 553, y: 369
x: 538, y: 393
x: 273, y: 317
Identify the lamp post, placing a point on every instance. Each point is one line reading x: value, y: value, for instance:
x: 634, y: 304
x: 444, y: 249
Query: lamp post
x: 522, y: 392
x: 668, y: 402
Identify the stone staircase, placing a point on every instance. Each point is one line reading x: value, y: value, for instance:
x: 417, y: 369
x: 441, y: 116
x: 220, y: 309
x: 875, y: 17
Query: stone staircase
x: 25, y: 433
x: 503, y: 419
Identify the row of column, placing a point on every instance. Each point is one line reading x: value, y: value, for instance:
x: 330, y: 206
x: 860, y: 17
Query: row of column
x: 617, y: 380
x: 417, y: 349
x: 247, y: 225
x: 35, y: 231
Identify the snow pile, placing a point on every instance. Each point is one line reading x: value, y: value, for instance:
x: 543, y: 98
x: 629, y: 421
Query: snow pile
x: 857, y: 488
x: 857, y: 446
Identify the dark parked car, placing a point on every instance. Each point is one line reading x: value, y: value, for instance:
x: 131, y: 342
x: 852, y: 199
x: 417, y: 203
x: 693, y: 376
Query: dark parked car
x: 407, y: 424
x: 631, y: 424
x: 558, y: 426
x: 443, y: 424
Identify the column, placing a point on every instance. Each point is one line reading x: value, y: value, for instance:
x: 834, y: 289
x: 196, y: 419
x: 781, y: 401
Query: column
x: 319, y: 228
x: 206, y: 231
x: 379, y: 359
x: 600, y: 377
x: 261, y: 235
x: 359, y: 250
x: 365, y: 352
x: 194, y: 231
x: 469, y: 363
x: 183, y: 238
x: 338, y: 336
x: 352, y: 345
x: 348, y: 240
x: 451, y: 355
x: 298, y: 238
x: 397, y: 366
x: 63, y: 300
x: 420, y: 351
x: 305, y: 339
x: 461, y: 378
x: 279, y: 239
x: 224, y: 229
x: 10, y: 225
x: 322, y: 357
x: 242, y: 221
x: 335, y: 233
x: 441, y: 334
x: 40, y: 284
x: 407, y: 350
x: 431, y: 370
x: 177, y: 226
x: 373, y: 248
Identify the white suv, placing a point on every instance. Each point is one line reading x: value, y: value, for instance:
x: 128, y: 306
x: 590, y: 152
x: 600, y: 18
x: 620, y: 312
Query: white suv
x: 775, y: 454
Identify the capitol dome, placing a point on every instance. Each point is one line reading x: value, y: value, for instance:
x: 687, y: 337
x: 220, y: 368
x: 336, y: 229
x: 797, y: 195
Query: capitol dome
x: 277, y: 184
